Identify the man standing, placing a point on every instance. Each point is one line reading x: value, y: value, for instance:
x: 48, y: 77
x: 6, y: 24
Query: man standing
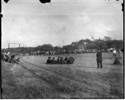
x: 99, y: 59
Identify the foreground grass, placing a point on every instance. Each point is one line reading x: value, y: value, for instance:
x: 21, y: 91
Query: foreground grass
x: 16, y: 88
x: 83, y: 84
x: 59, y: 82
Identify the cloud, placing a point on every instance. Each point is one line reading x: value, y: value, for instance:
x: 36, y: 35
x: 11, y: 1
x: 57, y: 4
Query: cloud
x: 61, y: 22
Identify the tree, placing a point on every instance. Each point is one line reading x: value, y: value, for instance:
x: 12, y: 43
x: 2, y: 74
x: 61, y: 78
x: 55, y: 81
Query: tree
x: 47, y: 47
x: 57, y: 48
x: 68, y: 47
x: 107, y: 38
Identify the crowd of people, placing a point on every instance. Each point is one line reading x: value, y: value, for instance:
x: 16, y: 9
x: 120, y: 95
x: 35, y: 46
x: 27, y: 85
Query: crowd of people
x: 60, y: 60
x: 9, y: 58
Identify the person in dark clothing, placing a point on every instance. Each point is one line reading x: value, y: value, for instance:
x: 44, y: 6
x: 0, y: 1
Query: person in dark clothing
x: 58, y: 60
x: 53, y: 60
x: 7, y: 58
x: 116, y: 61
x: 99, y: 59
x: 61, y: 60
x: 70, y: 60
x: 65, y: 60
x: 12, y: 57
x: 48, y: 60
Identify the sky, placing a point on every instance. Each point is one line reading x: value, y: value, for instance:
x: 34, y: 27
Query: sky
x: 60, y: 22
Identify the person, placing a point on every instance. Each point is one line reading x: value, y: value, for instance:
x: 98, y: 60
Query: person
x: 58, y: 60
x: 117, y: 57
x: 12, y: 57
x: 7, y: 58
x: 70, y: 60
x: 61, y: 60
x: 99, y: 59
x: 53, y: 60
x: 48, y: 60
x: 65, y: 60
x: 114, y: 52
x: 116, y: 61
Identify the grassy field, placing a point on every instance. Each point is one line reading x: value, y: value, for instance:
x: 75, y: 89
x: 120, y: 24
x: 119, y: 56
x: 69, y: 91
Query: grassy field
x: 32, y: 78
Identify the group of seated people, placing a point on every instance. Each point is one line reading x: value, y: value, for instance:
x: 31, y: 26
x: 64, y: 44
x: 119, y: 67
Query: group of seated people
x: 9, y: 58
x: 60, y: 60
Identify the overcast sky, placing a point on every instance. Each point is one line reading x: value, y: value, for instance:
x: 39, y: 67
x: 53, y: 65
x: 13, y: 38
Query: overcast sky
x: 60, y: 22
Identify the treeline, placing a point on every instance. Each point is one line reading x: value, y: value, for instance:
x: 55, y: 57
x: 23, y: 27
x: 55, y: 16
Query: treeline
x: 84, y: 45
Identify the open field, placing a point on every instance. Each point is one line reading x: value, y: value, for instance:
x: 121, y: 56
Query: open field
x: 32, y: 78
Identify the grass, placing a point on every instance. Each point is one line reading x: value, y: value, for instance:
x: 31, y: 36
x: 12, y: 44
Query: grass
x: 59, y: 82
x: 13, y: 90
x: 109, y: 85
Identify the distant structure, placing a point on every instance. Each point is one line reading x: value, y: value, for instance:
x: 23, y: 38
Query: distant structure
x: 13, y: 45
x: 82, y: 47
x: 9, y: 44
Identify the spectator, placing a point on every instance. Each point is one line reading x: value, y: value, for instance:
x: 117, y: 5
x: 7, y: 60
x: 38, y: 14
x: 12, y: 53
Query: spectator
x: 99, y: 59
x: 48, y: 60
x: 53, y: 60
